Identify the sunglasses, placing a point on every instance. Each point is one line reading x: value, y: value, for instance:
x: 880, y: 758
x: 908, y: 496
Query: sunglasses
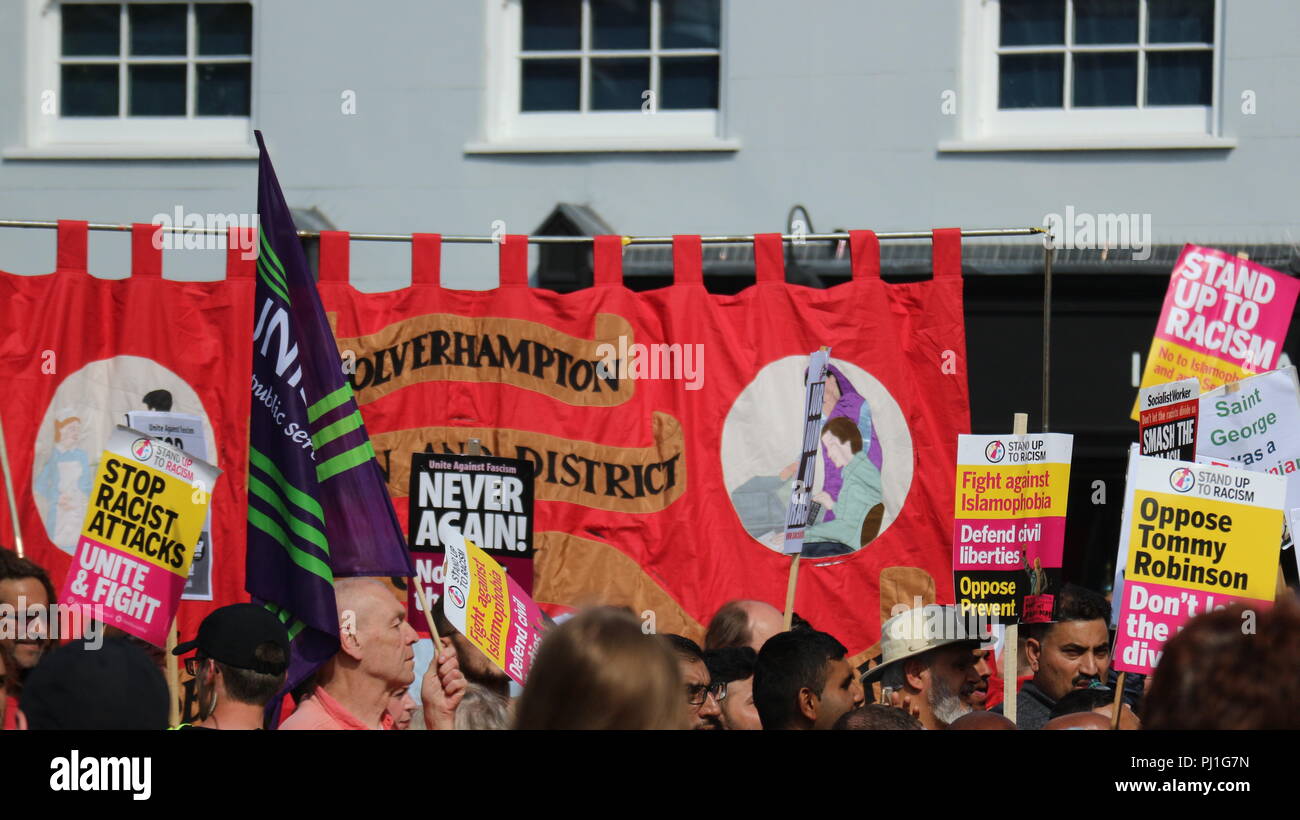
x: 194, y: 665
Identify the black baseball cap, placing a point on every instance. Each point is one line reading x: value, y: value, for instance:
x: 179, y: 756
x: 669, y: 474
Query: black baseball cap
x: 232, y: 634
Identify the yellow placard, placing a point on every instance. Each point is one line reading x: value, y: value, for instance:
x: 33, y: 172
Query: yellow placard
x: 1011, y: 491
x: 1203, y: 544
x: 145, y: 513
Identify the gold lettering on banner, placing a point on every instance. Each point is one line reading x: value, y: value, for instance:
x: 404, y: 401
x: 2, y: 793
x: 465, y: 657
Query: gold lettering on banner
x: 623, y: 479
x: 530, y: 355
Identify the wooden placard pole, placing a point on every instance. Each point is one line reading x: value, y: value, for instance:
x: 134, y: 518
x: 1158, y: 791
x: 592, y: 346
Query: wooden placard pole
x: 789, y: 592
x: 1118, y: 703
x: 9, y: 492
x: 428, y: 616
x: 173, y: 675
x: 1011, y: 638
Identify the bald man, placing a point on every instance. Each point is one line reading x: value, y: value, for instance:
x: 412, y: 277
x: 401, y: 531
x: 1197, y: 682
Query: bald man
x: 743, y: 623
x: 375, y: 659
x: 981, y: 722
x: 1079, y: 720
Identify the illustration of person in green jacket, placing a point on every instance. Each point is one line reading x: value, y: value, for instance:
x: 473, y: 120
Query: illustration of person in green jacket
x: 858, y: 495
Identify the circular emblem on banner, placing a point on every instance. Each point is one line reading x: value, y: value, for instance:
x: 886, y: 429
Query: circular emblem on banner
x: 457, y: 597
x: 995, y: 452
x: 1182, y: 479
x: 142, y: 449
x: 863, y: 461
x: 80, y: 417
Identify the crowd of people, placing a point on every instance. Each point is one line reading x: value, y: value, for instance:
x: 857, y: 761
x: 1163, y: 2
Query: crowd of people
x: 599, y: 669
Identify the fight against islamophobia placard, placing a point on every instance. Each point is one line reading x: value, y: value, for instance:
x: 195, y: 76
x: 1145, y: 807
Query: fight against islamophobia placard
x: 488, y: 607
x: 1009, y: 524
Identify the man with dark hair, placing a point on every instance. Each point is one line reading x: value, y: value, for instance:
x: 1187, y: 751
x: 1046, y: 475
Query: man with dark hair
x: 802, y: 681
x: 702, y: 694
x: 24, y: 586
x: 81, y: 686
x: 242, y: 658
x: 1095, y: 699
x: 975, y: 693
x: 743, y: 623
x: 928, y: 660
x: 733, y: 669
x: 1071, y: 652
x: 876, y: 717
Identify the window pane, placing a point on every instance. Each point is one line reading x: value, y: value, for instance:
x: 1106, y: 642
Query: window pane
x: 157, y: 29
x: 1105, y: 79
x: 91, y: 31
x: 224, y: 89
x: 617, y: 85
x: 225, y: 28
x: 1105, y: 21
x: 89, y: 91
x: 1179, y: 77
x: 550, y: 85
x: 620, y: 23
x: 1033, y: 22
x: 156, y: 91
x: 688, y: 82
x: 551, y: 25
x: 1180, y: 21
x: 1031, y: 81
x: 689, y: 24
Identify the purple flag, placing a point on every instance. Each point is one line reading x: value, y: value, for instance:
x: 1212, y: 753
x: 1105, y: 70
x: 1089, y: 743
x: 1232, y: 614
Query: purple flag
x: 318, y: 507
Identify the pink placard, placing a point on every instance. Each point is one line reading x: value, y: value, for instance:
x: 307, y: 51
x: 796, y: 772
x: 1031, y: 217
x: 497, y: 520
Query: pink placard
x: 1151, y: 614
x: 525, y: 633
x: 121, y: 590
x: 1228, y: 307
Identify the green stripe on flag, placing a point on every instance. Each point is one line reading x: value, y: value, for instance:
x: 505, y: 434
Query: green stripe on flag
x: 271, y: 274
x: 305, y: 560
x: 341, y: 427
x: 345, y: 461
x: 298, y: 527
x: 297, y: 627
x: 271, y: 258
x: 276, y: 289
x: 328, y: 403
x: 297, y: 496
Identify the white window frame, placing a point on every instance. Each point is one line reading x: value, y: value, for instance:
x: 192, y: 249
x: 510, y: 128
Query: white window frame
x: 506, y: 129
x: 984, y: 127
x: 125, y: 137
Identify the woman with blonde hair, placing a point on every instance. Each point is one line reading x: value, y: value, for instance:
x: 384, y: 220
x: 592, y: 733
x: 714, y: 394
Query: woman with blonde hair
x: 600, y: 671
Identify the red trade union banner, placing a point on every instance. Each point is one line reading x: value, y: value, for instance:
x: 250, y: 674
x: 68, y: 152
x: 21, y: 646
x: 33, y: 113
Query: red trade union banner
x: 662, y: 425
x: 80, y: 352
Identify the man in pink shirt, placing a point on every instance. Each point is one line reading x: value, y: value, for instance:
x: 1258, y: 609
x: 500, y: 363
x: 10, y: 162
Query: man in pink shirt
x: 375, y: 659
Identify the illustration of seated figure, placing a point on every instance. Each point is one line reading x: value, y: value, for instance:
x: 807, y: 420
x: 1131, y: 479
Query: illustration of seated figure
x: 859, y: 498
